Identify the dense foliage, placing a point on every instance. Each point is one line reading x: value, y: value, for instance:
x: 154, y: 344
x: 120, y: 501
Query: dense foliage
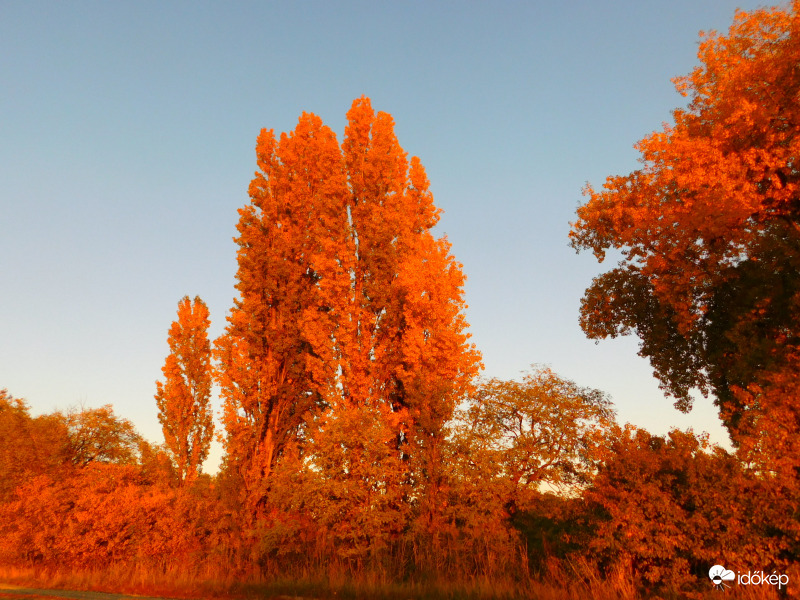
x: 183, y: 399
x: 359, y: 441
x: 709, y: 227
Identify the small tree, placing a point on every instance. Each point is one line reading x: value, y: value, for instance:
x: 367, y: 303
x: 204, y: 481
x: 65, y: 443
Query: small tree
x: 183, y: 398
x: 512, y: 442
x: 30, y: 446
x: 347, y: 486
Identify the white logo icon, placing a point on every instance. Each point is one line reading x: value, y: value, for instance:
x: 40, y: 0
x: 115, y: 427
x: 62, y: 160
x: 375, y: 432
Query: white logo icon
x: 719, y: 575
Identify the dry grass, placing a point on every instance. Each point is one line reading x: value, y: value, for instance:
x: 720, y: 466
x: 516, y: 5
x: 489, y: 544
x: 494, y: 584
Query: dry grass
x: 559, y: 582
x: 8, y: 595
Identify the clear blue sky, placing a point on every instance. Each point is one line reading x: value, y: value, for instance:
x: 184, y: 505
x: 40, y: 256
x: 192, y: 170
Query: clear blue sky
x: 127, y: 134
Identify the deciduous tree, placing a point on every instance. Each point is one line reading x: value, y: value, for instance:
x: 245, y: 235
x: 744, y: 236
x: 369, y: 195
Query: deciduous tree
x: 709, y: 227
x: 183, y: 398
x: 350, y: 483
x: 346, y: 301
x: 517, y: 438
x: 30, y: 446
x: 98, y: 435
x: 667, y: 507
x: 404, y: 341
x: 276, y: 358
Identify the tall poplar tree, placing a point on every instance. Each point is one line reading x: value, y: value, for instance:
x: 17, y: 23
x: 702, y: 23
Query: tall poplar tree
x: 407, y: 345
x: 347, y: 305
x: 183, y: 398
x: 276, y: 360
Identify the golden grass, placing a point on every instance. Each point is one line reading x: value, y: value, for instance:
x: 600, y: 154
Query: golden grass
x: 559, y: 582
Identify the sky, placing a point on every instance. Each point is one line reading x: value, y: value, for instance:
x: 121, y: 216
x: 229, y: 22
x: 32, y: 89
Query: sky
x: 127, y: 135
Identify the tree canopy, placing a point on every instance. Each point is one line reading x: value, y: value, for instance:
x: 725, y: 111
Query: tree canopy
x: 183, y: 398
x: 709, y: 227
x: 543, y: 431
x: 346, y: 300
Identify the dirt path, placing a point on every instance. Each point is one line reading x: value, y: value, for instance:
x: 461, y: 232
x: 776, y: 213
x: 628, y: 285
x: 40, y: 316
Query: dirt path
x: 13, y: 591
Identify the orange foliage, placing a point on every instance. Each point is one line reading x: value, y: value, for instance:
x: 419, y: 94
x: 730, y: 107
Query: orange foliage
x: 512, y: 441
x: 346, y: 301
x: 709, y: 227
x: 93, y: 495
x: 344, y: 497
x: 666, y: 508
x: 404, y: 344
x: 769, y: 434
x: 106, y: 515
x: 98, y: 435
x: 275, y: 359
x: 355, y: 436
x: 542, y: 432
x: 709, y: 232
x: 344, y: 357
x: 29, y: 447
x: 183, y: 398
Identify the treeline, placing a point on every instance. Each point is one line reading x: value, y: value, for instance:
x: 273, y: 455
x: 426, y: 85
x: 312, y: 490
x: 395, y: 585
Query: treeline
x: 522, y: 496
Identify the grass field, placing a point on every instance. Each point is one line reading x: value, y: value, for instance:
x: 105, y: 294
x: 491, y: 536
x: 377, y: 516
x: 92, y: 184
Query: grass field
x: 561, y: 586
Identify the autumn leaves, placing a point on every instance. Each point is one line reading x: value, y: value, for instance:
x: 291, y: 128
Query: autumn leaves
x: 349, y: 311
x: 354, y: 430
x: 350, y: 412
x: 709, y: 280
x: 709, y: 230
x: 357, y: 438
x: 183, y: 398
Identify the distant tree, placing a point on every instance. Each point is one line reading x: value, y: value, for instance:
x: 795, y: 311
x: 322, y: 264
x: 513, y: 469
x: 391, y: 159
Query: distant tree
x: 543, y: 433
x: 183, y: 398
x: 709, y: 229
x: 156, y: 464
x: 30, y: 446
x: 98, y: 435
